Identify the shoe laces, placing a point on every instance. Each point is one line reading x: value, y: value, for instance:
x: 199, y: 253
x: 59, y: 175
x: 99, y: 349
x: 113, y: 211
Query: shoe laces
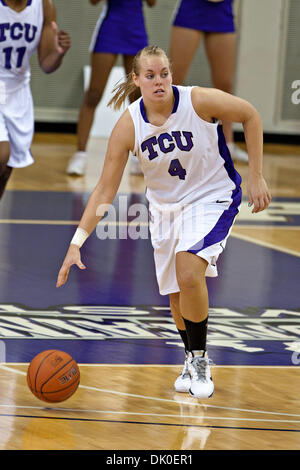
x: 199, y: 365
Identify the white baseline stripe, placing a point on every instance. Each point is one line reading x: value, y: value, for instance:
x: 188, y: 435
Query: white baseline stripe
x: 214, y: 366
x: 166, y: 400
x: 3, y: 365
x: 160, y: 415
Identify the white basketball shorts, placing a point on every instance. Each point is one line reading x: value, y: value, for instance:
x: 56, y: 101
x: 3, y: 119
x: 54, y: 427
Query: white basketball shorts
x: 199, y: 228
x: 17, y: 126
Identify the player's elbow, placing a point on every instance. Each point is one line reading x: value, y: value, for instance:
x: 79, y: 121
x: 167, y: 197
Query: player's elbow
x: 46, y: 69
x: 251, y: 114
x: 48, y: 66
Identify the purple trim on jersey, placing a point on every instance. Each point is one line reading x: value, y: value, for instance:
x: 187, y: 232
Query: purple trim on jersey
x: 176, y: 96
x: 5, y: 4
x: 175, y: 107
x: 222, y: 227
x: 225, y: 154
x: 143, y: 111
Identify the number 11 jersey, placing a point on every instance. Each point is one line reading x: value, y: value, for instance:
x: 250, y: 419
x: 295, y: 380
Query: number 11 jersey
x: 20, y: 34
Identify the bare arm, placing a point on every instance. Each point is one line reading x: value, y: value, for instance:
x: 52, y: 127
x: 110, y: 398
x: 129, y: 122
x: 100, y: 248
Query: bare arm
x: 120, y: 143
x: 209, y: 103
x: 53, y: 43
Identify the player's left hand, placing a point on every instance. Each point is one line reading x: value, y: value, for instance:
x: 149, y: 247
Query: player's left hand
x: 258, y: 193
x: 62, y: 39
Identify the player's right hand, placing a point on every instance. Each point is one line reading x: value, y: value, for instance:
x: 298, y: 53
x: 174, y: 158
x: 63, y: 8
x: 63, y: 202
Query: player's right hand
x: 72, y: 257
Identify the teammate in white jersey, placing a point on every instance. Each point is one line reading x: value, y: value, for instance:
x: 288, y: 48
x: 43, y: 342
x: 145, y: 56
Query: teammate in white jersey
x: 192, y: 187
x: 26, y: 26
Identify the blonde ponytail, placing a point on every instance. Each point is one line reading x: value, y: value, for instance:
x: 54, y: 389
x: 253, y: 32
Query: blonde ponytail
x: 121, y: 91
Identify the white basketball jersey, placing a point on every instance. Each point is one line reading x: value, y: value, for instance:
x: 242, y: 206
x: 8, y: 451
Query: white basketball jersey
x: 20, y: 34
x: 186, y: 159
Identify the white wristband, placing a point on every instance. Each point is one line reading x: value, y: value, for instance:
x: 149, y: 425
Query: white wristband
x: 79, y: 237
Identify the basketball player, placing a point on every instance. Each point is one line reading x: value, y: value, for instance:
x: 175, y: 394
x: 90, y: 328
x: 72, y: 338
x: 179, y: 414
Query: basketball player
x: 193, y: 190
x: 212, y: 21
x: 26, y: 26
x: 119, y: 30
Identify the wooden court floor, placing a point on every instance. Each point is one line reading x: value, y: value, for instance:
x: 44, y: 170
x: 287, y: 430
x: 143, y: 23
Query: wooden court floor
x: 134, y: 407
x: 120, y: 406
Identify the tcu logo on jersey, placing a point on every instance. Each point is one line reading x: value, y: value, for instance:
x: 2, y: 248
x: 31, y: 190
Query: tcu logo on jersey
x: 16, y: 31
x: 167, y: 143
x: 13, y: 53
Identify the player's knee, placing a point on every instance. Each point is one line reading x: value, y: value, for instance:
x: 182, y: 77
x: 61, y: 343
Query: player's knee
x: 187, y: 279
x: 92, y: 98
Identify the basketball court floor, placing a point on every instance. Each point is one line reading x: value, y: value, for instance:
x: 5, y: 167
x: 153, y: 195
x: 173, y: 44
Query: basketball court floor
x: 113, y: 321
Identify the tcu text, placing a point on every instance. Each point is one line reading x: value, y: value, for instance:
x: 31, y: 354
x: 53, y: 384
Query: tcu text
x: 167, y: 143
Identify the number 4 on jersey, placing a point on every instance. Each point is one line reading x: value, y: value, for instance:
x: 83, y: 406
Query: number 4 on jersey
x: 175, y: 169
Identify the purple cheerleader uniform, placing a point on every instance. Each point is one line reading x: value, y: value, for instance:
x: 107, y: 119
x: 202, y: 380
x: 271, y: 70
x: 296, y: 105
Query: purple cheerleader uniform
x: 205, y: 15
x: 120, y: 28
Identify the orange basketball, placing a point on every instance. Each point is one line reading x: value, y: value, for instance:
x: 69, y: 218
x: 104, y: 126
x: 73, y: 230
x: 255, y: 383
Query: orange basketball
x: 53, y: 376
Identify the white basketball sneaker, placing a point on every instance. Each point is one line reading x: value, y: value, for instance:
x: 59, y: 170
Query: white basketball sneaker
x: 77, y: 164
x: 202, y: 385
x: 237, y: 153
x: 183, y: 382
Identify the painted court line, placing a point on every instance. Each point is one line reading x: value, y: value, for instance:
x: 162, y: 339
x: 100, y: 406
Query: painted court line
x: 67, y: 222
x: 246, y: 238
x: 167, y: 400
x: 176, y: 366
x: 39, y: 222
x: 160, y: 415
x: 147, y: 423
x: 262, y: 226
x: 145, y: 224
